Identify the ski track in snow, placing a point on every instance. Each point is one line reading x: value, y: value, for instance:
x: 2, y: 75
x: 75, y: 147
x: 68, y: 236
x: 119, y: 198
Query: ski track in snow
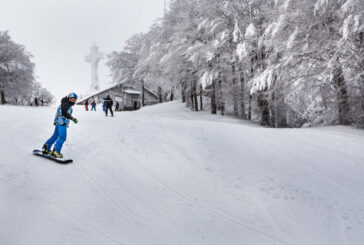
x: 166, y: 175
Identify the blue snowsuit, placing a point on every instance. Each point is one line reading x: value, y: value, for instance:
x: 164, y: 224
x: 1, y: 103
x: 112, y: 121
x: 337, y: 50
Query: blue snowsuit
x: 61, y: 121
x: 93, y: 106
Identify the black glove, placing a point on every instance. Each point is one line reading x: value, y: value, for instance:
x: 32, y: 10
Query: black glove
x: 74, y: 120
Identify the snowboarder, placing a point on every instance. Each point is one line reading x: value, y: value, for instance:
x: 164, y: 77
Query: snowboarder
x: 93, y: 106
x: 86, y: 105
x: 61, y: 121
x: 108, y: 102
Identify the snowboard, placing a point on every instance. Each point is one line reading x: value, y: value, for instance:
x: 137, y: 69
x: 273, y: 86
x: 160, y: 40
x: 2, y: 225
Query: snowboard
x: 58, y: 160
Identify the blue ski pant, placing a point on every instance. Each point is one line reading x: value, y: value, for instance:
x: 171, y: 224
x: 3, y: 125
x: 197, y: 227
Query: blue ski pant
x: 59, y: 137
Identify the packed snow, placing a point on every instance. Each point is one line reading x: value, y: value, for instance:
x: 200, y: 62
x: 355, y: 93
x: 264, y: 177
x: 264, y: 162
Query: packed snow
x: 166, y: 175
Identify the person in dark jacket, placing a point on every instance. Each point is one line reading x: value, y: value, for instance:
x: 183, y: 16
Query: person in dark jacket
x: 108, y: 102
x: 61, y: 121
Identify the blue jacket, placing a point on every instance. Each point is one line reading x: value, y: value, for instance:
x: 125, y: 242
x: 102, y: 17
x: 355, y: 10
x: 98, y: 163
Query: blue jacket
x: 64, y: 113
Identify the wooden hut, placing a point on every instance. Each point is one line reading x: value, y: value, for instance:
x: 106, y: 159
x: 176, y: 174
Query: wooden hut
x: 127, y: 97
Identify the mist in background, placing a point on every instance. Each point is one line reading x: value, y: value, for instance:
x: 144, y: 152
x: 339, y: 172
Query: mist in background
x: 59, y: 34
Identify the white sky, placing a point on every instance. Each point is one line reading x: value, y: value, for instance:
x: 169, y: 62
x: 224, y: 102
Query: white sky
x: 59, y: 34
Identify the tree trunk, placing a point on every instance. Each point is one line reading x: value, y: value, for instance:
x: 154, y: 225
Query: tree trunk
x: 235, y: 92
x: 252, y: 61
x: 273, y: 111
x: 213, y: 98
x: 143, y: 94
x: 201, y: 105
x: 250, y: 107
x: 2, y: 94
x: 196, y: 102
x: 342, y: 96
x: 281, y: 115
x: 160, y: 95
x: 242, y: 96
x: 183, y: 93
x: 188, y: 98
x: 264, y: 109
x: 172, y: 94
x: 220, y: 98
x: 281, y: 110
x: 195, y: 95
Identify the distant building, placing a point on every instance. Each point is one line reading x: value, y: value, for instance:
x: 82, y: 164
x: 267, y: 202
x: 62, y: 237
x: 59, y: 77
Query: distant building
x: 150, y: 98
x: 127, y: 97
x: 129, y: 100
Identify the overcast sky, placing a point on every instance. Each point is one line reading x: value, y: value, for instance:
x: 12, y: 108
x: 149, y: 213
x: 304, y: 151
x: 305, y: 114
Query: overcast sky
x: 59, y: 34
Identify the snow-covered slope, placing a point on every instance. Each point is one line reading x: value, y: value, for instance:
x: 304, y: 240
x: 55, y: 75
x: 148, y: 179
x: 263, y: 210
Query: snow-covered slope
x: 165, y: 175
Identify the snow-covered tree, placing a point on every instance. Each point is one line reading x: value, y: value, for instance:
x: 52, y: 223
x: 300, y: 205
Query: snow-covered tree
x: 16, y: 69
x: 280, y: 62
x: 17, y: 79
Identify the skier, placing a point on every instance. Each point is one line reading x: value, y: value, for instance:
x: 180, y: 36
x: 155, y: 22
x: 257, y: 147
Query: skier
x: 86, y: 105
x: 93, y: 106
x: 108, y: 105
x: 61, y: 121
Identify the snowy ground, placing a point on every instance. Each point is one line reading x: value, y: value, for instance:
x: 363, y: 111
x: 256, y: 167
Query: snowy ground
x: 165, y: 175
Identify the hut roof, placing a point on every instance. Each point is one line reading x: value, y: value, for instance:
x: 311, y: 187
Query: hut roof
x: 98, y: 93
x: 151, y: 92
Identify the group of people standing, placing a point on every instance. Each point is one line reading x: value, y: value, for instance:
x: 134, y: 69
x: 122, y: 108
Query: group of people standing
x: 37, y: 101
x: 107, y: 105
x: 93, y: 105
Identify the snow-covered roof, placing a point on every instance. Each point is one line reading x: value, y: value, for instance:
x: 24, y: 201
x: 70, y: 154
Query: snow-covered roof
x: 151, y: 92
x: 96, y: 93
x: 129, y: 91
x: 104, y: 90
